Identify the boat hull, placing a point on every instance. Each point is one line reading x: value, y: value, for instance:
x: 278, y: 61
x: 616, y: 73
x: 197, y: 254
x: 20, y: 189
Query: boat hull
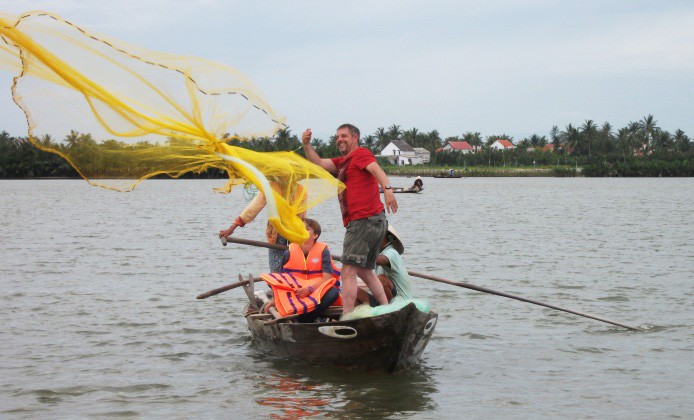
x: 398, y: 190
x: 392, y: 342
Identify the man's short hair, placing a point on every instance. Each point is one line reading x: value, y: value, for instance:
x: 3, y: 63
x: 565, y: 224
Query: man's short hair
x: 352, y: 129
x: 314, y: 225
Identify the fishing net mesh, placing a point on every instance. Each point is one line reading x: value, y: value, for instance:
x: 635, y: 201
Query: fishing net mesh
x: 122, y: 114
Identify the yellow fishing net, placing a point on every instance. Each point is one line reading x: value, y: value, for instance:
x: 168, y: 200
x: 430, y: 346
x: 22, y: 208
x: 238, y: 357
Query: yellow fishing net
x: 128, y: 114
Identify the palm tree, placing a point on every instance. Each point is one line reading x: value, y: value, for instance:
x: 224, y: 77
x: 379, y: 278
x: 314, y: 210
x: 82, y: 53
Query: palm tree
x: 648, y: 129
x: 115, y: 144
x: 5, y: 136
x: 625, y: 142
x: 72, y: 139
x: 284, y: 140
x: 473, y: 139
x: 394, y: 132
x: 663, y: 141
x: 316, y: 143
x: 681, y: 141
x: 537, y: 141
x: 605, y: 139
x: 381, y: 138
x: 589, y: 131
x: 433, y: 141
x: 369, y: 142
x: 410, y: 136
x: 571, y: 138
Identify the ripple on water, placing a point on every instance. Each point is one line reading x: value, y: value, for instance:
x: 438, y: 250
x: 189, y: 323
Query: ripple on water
x: 474, y: 336
x: 615, y: 298
x: 596, y: 350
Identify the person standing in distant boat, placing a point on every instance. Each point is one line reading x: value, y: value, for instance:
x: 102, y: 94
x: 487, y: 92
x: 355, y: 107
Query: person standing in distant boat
x: 363, y: 213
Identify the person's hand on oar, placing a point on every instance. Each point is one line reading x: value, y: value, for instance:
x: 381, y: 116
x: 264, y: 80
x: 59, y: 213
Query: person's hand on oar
x: 227, y: 232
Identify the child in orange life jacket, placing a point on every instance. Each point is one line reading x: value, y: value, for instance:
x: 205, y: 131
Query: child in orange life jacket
x: 312, y: 267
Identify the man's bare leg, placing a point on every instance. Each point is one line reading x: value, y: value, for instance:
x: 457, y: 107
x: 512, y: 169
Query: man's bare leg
x: 348, y: 277
x: 374, y: 284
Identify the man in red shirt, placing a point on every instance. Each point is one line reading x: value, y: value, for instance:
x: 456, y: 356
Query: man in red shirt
x: 363, y: 214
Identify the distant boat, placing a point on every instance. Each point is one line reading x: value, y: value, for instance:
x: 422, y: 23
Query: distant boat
x: 443, y: 175
x: 411, y: 190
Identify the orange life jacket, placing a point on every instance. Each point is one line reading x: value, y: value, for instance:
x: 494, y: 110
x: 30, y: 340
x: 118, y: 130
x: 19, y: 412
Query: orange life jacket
x: 300, y: 272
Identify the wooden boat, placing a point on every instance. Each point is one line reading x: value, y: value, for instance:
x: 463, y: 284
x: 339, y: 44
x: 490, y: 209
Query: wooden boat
x: 447, y: 176
x: 392, y: 342
x: 401, y: 190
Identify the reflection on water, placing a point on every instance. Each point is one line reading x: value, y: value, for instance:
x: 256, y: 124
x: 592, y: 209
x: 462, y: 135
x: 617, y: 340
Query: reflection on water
x: 296, y: 389
x: 294, y: 398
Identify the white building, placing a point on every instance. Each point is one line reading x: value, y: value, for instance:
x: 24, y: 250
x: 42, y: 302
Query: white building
x: 502, y: 145
x: 401, y: 153
x: 423, y: 154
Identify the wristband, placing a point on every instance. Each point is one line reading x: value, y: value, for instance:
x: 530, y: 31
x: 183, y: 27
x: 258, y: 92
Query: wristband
x: 239, y: 222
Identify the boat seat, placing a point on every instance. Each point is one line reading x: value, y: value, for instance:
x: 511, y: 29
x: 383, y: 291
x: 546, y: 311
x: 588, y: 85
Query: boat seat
x: 333, y: 311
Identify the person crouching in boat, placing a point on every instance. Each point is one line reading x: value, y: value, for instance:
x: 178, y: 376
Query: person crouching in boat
x: 390, y: 269
x: 418, y: 184
x: 307, y: 283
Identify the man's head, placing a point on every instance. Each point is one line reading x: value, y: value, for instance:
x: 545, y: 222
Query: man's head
x: 347, y: 138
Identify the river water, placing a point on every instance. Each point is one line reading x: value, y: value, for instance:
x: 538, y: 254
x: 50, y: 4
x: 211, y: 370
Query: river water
x: 99, y: 316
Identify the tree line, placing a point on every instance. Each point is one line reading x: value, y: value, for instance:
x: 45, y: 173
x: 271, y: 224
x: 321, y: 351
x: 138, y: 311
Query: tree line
x: 639, y: 149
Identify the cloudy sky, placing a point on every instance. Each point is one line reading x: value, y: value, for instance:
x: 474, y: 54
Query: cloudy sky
x: 511, y: 67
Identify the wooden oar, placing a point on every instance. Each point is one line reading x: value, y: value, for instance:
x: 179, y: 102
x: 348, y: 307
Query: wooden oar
x: 522, y: 299
x: 451, y: 282
x: 222, y: 289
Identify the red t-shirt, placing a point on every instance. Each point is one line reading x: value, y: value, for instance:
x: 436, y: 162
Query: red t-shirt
x: 362, y: 197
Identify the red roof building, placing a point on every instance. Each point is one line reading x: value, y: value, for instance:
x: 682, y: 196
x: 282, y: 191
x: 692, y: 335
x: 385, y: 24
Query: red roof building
x: 458, y: 146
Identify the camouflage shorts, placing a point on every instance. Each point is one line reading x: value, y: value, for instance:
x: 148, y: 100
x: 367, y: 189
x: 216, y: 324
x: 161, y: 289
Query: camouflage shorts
x: 363, y: 240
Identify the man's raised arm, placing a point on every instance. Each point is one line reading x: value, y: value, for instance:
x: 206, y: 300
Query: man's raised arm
x: 311, y: 154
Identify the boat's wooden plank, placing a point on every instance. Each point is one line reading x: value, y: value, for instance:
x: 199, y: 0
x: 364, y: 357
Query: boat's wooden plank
x: 333, y: 311
x: 279, y: 318
x: 260, y: 316
x: 248, y: 288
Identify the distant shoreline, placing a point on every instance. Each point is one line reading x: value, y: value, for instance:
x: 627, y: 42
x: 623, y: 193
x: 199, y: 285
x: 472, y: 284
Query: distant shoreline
x: 482, y: 171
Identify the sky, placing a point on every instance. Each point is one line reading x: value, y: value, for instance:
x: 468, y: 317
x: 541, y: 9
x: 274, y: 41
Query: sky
x: 495, y: 67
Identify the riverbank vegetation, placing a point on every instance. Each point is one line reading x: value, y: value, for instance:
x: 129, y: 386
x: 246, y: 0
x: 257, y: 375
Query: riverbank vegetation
x: 640, y: 149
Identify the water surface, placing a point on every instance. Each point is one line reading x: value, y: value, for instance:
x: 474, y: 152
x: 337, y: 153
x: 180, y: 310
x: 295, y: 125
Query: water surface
x: 99, y: 316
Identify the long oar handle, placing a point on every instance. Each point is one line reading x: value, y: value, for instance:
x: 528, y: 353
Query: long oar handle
x: 522, y: 299
x: 261, y: 244
x: 224, y: 288
x: 233, y: 239
x: 451, y: 282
